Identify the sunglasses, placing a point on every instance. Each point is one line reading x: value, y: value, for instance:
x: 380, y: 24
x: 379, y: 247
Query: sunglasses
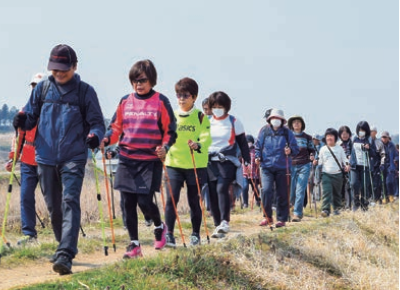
x: 141, y: 81
x: 185, y: 96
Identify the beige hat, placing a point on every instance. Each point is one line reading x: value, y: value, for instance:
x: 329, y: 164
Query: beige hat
x: 385, y: 134
x: 277, y: 114
x: 37, y: 78
x: 296, y: 117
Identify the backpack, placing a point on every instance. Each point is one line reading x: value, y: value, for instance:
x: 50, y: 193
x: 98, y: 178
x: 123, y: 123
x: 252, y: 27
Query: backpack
x: 82, y: 90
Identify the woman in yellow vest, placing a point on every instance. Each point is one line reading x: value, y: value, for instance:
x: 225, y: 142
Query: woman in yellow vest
x: 193, y: 129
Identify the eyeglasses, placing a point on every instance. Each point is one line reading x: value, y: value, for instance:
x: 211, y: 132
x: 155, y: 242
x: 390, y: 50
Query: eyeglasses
x: 141, y: 81
x: 185, y: 96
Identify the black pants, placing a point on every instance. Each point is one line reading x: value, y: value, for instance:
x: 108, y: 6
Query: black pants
x: 221, y: 175
x: 149, y: 209
x: 62, y: 185
x: 177, y: 178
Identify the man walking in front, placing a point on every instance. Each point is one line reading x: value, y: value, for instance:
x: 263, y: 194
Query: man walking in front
x: 69, y: 119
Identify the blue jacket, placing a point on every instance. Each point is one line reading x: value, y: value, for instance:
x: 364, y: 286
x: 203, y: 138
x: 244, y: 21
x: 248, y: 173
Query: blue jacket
x: 270, y: 147
x: 391, y: 152
x: 61, y: 134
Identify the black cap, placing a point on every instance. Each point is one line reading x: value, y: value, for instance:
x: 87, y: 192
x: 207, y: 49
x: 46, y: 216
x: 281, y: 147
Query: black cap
x: 62, y: 57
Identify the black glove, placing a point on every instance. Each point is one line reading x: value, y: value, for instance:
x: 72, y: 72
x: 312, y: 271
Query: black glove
x: 19, y: 120
x: 92, y: 142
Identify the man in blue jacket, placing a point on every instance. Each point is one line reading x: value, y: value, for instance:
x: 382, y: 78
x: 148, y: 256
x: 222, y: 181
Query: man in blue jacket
x: 69, y: 120
x: 389, y: 169
x: 275, y: 143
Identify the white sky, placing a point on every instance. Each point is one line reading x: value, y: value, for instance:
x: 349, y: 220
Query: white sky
x: 333, y: 62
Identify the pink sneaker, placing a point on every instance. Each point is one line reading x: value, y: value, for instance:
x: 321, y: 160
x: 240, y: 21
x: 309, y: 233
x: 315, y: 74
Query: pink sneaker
x: 133, y: 251
x: 160, y: 237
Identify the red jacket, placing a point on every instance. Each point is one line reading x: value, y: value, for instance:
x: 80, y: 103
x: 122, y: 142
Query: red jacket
x: 26, y: 147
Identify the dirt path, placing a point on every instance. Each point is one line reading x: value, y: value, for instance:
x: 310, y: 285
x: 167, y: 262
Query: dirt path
x: 41, y: 270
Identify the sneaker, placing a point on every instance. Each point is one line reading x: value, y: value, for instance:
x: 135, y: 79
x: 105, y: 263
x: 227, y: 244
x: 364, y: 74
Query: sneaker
x: 133, y: 251
x: 296, y: 219
x: 336, y: 212
x: 25, y: 240
x: 280, y: 224
x: 194, y: 239
x: 217, y: 235
x: 324, y: 213
x: 160, y: 239
x: 148, y: 222
x: 266, y: 222
x: 223, y: 228
x: 170, y: 240
x: 245, y: 206
x: 63, y: 265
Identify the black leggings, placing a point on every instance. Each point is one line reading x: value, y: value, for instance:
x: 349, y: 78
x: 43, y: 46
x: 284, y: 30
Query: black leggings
x: 194, y: 204
x: 149, y: 209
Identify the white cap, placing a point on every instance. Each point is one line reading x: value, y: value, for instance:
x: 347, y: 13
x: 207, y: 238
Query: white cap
x: 373, y: 128
x: 277, y: 114
x: 37, y: 78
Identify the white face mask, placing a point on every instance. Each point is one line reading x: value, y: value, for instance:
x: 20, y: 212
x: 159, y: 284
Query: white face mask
x: 276, y: 123
x: 218, y: 112
x: 361, y: 134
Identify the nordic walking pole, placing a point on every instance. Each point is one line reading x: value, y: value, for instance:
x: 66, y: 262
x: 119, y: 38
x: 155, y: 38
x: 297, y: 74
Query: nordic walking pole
x: 365, y: 187
x: 288, y: 183
x: 171, y: 194
x: 261, y: 203
x: 40, y: 221
x: 6, y: 242
x: 370, y: 178
x: 252, y: 200
x: 3, y: 228
x: 108, y: 199
x: 112, y: 189
x: 383, y: 186
x: 100, y: 206
x: 83, y: 233
x: 200, y: 197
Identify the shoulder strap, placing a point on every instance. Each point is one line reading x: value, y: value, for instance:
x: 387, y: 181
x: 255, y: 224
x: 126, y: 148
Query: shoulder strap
x: 82, y: 90
x: 45, y: 89
x: 286, y: 134
x: 201, y: 117
x: 334, y: 157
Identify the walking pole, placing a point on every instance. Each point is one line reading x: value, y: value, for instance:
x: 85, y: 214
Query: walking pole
x: 83, y: 233
x: 100, y: 206
x: 3, y: 229
x: 7, y: 243
x: 199, y: 193
x: 108, y: 199
x: 370, y: 178
x: 162, y: 197
x: 112, y: 189
x: 173, y: 203
x: 365, y: 187
x: 252, y: 200
x: 262, y: 204
x: 288, y: 183
x: 40, y: 221
x: 309, y: 194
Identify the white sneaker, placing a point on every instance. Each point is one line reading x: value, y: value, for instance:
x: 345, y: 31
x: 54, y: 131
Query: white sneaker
x: 217, y: 235
x: 223, y: 228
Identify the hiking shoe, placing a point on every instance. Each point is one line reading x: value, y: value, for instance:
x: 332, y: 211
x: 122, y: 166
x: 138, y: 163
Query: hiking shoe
x: 63, y: 265
x: 25, y: 240
x: 170, y: 240
x: 194, y: 239
x: 223, y: 228
x: 160, y: 239
x: 336, y: 212
x: 133, y: 251
x: 148, y: 222
x: 296, y: 219
x: 53, y: 258
x: 266, y: 222
x: 217, y: 235
x: 324, y: 213
x: 280, y: 224
x: 391, y: 198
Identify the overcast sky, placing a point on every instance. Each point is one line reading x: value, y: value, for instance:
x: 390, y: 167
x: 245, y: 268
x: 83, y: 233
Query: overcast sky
x: 333, y: 62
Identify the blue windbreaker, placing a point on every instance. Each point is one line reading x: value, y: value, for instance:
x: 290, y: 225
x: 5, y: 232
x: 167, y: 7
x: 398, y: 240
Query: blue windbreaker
x: 61, y: 134
x: 270, y: 147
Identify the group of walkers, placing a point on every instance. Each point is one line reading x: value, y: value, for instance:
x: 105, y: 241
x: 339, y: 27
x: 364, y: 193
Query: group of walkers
x: 206, y: 150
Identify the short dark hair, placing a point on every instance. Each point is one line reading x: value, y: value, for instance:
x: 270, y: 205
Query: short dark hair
x: 144, y: 66
x: 331, y: 131
x: 344, y: 129
x: 187, y: 85
x: 205, y: 102
x: 221, y: 99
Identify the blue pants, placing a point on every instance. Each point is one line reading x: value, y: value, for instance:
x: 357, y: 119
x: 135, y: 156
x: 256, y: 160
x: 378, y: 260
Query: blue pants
x: 299, y: 180
x: 268, y: 177
x: 360, y: 194
x: 29, y: 181
x: 389, y: 179
x: 62, y: 185
x: 246, y: 186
